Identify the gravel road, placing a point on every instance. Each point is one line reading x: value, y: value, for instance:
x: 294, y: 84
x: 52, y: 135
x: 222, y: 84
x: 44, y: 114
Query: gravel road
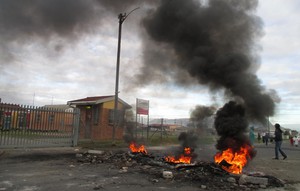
x: 57, y: 169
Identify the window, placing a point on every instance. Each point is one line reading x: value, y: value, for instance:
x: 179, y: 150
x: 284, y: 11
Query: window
x: 95, y: 114
x: 120, y: 117
x: 111, y: 116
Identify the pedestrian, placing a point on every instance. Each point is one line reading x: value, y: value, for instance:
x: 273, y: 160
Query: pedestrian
x: 251, y: 135
x: 267, y: 138
x: 291, y: 140
x: 258, y: 137
x: 296, y: 141
x: 278, y: 142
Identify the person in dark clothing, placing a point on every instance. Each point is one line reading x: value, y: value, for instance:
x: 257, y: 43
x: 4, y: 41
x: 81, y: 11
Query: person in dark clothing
x: 267, y: 138
x: 278, y: 142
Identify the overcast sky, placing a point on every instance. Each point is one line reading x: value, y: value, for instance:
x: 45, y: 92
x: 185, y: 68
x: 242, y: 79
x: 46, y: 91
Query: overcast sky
x: 41, y: 65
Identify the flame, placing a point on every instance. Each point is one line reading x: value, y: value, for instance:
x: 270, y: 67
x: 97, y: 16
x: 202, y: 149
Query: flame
x: 137, y: 149
x: 183, y: 158
x: 235, y: 160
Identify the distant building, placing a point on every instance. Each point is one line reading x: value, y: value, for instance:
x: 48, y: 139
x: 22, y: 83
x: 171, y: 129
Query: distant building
x: 166, y: 127
x: 61, y: 107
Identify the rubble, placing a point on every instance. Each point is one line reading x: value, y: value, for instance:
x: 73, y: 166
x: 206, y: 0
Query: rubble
x: 97, y: 152
x: 244, y: 179
x: 231, y: 179
x: 207, y: 175
x: 167, y: 174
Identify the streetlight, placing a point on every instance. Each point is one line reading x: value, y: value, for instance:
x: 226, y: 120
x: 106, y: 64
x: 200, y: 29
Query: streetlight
x: 122, y: 17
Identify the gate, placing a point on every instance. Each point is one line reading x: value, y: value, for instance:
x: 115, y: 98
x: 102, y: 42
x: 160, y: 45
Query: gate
x: 28, y: 126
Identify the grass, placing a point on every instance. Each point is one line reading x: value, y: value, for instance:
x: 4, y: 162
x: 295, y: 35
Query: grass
x: 28, y: 134
x: 155, y: 140
x: 88, y: 144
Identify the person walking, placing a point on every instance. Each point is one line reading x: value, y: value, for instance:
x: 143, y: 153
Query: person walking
x: 296, y: 141
x: 278, y: 142
x: 292, y: 140
x: 267, y: 138
x: 251, y: 135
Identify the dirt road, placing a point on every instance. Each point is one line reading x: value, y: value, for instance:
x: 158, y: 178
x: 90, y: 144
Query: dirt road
x: 58, y: 169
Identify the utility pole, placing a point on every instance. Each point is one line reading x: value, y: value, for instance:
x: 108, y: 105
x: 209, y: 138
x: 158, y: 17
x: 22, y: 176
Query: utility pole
x: 122, y: 17
x: 33, y: 98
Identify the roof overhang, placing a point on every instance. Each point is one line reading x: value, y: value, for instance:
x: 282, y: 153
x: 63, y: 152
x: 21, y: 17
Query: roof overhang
x: 99, y: 101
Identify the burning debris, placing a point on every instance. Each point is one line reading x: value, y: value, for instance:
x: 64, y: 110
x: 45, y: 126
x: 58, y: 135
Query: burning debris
x: 207, y: 175
x: 184, y: 169
x: 185, y: 153
x: 134, y: 148
x: 185, y: 158
x: 234, y: 145
x: 233, y: 161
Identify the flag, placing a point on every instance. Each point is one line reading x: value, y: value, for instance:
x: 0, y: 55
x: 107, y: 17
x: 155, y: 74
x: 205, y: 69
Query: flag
x: 142, y: 107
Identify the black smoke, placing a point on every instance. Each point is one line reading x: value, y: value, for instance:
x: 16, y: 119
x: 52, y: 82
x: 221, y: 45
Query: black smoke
x: 231, y: 125
x: 200, y: 114
x: 60, y: 21
x: 213, y: 43
x: 210, y: 42
x: 187, y: 140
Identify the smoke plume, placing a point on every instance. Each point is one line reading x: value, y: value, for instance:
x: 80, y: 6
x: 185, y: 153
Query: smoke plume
x: 209, y: 42
x: 188, y: 139
x: 231, y: 125
x: 201, y: 112
x: 212, y: 43
x: 63, y: 21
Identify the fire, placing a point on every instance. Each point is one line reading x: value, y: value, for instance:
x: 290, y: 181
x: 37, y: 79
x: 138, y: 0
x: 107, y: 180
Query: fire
x: 183, y: 158
x: 137, y: 149
x: 233, y: 162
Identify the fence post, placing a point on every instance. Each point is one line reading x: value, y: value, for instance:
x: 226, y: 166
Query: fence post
x: 161, y: 128
x: 76, y: 119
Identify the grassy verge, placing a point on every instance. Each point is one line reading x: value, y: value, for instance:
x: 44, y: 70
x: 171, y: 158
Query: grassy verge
x: 153, y: 141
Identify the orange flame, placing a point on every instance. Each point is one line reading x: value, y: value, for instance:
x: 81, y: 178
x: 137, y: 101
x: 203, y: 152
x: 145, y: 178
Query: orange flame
x: 235, y: 160
x: 183, y: 158
x: 137, y: 149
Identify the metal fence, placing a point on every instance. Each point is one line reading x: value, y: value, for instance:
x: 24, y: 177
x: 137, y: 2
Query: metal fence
x: 29, y: 126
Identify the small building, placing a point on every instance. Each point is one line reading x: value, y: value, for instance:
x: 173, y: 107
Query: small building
x: 97, y: 117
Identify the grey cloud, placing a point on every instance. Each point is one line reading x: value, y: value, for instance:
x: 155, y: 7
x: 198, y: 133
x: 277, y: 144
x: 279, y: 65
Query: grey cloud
x: 31, y: 20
